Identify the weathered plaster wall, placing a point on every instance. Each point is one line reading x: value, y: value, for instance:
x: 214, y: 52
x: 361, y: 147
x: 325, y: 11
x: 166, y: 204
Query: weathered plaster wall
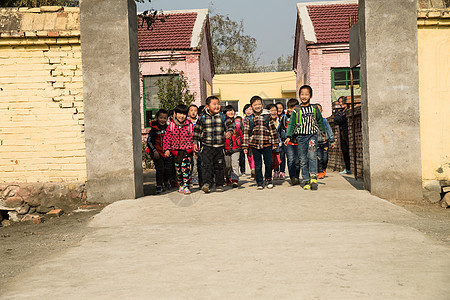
x: 390, y: 99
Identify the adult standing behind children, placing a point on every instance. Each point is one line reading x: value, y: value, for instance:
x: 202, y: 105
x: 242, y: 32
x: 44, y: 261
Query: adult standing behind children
x: 178, y: 144
x: 260, y: 136
x: 340, y: 118
x: 304, y: 124
x: 211, y: 130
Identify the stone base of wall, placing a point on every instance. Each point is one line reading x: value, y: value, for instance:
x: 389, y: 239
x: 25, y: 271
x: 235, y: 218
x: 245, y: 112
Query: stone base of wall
x: 29, y: 201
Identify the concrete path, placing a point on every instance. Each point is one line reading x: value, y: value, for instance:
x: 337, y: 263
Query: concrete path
x: 285, y: 243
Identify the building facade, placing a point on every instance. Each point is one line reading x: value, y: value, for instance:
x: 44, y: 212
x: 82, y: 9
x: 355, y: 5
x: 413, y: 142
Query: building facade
x: 321, y: 50
x: 237, y: 89
x: 182, y: 43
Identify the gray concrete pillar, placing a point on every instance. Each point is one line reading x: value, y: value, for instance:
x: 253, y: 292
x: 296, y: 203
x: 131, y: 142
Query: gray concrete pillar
x: 390, y: 98
x: 109, y: 51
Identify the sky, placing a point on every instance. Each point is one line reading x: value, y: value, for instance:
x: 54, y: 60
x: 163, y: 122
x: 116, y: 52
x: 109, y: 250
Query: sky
x: 271, y: 22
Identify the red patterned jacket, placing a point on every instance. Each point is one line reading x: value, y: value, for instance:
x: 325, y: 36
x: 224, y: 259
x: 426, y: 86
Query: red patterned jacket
x: 179, y: 137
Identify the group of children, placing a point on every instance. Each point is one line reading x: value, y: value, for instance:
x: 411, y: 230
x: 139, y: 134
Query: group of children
x: 206, y: 146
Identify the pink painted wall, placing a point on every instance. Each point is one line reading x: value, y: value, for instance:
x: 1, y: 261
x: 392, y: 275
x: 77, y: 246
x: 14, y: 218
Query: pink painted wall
x: 321, y: 59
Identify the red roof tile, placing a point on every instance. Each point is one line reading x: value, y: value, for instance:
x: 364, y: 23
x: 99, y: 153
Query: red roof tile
x: 331, y: 22
x: 175, y: 33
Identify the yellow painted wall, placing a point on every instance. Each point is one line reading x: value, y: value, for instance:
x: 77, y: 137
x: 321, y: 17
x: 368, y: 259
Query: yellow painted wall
x: 242, y: 87
x: 41, y: 107
x: 434, y: 94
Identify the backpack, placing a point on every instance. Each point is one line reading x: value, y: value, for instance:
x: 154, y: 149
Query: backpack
x: 251, y: 122
x: 299, y: 115
x: 221, y: 114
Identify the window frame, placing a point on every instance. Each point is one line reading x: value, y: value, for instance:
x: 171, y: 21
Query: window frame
x: 356, y: 83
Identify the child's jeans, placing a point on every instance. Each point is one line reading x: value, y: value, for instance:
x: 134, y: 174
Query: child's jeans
x: 194, y: 170
x: 293, y: 161
x: 258, y: 156
x: 322, y: 156
x: 213, y: 165
x: 163, y: 168
x: 232, y: 166
x: 307, y: 150
x: 184, y: 171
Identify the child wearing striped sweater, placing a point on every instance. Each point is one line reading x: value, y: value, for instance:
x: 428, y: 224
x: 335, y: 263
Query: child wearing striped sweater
x: 304, y: 126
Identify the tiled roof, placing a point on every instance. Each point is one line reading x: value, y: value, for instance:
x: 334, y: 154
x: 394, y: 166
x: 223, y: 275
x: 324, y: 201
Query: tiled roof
x: 331, y: 22
x: 174, y: 33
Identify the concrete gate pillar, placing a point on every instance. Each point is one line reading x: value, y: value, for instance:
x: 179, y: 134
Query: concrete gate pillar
x: 390, y: 98
x: 111, y: 99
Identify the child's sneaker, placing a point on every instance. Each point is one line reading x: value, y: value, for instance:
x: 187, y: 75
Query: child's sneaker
x: 321, y: 175
x: 260, y: 187
x: 345, y: 172
x: 180, y: 189
x: 295, y: 181
x: 219, y: 188
x: 228, y: 181
x: 276, y: 175
x: 307, y: 185
x: 159, y: 189
x: 194, y: 181
x: 324, y: 173
x: 205, y: 188
x: 235, y: 184
x: 282, y: 176
x: 186, y: 190
x: 313, y: 182
x: 167, y: 186
x: 269, y: 184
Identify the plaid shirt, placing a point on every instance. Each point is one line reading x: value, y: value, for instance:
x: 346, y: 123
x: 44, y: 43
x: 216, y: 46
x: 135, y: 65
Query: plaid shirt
x: 210, y: 129
x: 261, y: 136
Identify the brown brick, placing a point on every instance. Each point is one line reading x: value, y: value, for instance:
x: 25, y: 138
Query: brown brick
x: 55, y: 213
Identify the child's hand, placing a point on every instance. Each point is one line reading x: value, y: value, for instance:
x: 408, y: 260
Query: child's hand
x: 333, y: 146
x: 228, y: 134
x: 245, y: 151
x: 286, y: 142
x: 167, y: 153
x: 274, y: 147
x: 196, y: 148
x: 156, y: 154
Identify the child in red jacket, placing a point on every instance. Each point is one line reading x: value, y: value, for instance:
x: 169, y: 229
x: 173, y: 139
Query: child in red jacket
x: 233, y: 148
x: 178, y: 143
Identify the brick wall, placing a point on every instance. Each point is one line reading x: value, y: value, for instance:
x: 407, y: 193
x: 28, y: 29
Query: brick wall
x: 335, y: 159
x: 41, y: 96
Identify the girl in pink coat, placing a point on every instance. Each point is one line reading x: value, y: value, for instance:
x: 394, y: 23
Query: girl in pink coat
x: 178, y: 143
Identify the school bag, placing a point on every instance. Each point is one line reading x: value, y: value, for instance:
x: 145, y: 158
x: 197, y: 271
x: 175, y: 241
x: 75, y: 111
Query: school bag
x: 251, y: 122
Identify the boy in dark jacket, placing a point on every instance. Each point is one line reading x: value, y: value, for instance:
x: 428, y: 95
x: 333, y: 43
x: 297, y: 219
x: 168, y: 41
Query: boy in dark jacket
x: 211, y: 130
x: 155, y: 145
